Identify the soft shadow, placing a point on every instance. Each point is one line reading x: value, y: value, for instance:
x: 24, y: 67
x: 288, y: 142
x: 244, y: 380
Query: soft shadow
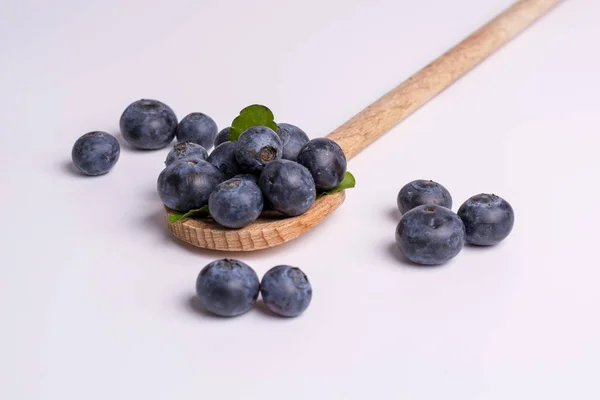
x: 247, y: 256
x: 157, y: 221
x: 124, y: 144
x: 474, y: 248
x: 152, y: 195
x: 192, y: 304
x: 68, y: 168
x: 395, y: 252
x: 394, y: 214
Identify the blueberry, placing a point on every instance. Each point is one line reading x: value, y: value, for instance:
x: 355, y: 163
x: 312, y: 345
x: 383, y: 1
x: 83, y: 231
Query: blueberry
x: 95, y: 153
x: 148, y: 124
x: 197, y: 128
x: 227, y: 287
x: 186, y: 184
x: 222, y: 136
x: 430, y: 234
x: 292, y: 138
x: 235, y: 203
x: 250, y: 177
x: 419, y: 192
x: 223, y: 157
x: 186, y: 149
x: 286, y: 290
x: 326, y: 162
x: 488, y: 219
x: 288, y: 187
x: 256, y: 147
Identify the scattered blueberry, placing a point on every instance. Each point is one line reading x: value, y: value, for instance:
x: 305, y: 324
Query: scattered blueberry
x: 488, y: 219
x: 95, y: 153
x: 197, y: 128
x: 222, y: 136
x: 430, y: 234
x: 292, y: 138
x: 286, y: 290
x: 288, y: 187
x: 227, y: 287
x: 186, y: 149
x: 256, y: 147
x: 223, y: 157
x: 186, y: 184
x: 419, y: 192
x: 148, y: 124
x: 326, y: 162
x: 235, y: 203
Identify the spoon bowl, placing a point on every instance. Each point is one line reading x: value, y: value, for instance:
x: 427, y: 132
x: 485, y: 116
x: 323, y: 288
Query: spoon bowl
x: 267, y: 231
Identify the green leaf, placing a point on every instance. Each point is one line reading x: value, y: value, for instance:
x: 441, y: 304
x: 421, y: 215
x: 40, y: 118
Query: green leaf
x: 177, y: 216
x: 347, y: 183
x: 254, y: 115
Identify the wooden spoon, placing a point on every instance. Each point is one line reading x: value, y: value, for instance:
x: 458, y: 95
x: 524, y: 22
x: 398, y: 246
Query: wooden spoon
x: 368, y: 125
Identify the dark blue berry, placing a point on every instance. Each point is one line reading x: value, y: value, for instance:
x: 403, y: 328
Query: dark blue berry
x: 326, y: 162
x: 222, y: 136
x: 227, y: 288
x: 430, y: 234
x: 256, y: 147
x: 197, y: 128
x: 223, y: 157
x: 186, y: 184
x: 419, y: 192
x: 148, y: 124
x: 95, y: 153
x: 250, y: 177
x: 292, y: 138
x: 235, y: 203
x: 184, y: 150
x: 488, y: 219
x: 288, y: 187
x: 286, y: 290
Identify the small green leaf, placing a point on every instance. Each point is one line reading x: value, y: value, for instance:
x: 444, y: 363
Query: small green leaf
x: 347, y: 183
x: 254, y: 115
x: 177, y: 216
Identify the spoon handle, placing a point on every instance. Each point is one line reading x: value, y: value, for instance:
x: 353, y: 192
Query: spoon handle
x: 382, y: 115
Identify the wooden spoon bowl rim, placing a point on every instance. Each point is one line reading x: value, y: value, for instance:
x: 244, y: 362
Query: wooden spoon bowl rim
x: 267, y: 231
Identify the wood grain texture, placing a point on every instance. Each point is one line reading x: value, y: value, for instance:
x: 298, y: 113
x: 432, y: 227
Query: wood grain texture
x: 368, y: 125
x: 263, y: 233
x: 382, y: 115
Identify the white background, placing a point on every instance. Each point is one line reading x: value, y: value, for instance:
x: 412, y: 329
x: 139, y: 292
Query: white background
x: 95, y: 296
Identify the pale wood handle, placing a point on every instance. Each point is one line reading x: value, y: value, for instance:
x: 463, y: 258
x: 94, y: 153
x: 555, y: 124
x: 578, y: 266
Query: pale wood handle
x: 379, y: 117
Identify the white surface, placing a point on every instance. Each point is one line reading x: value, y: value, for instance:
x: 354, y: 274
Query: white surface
x: 95, y: 295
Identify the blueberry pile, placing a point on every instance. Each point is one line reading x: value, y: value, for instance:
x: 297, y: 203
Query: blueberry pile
x: 430, y: 233
x: 256, y: 164
x: 229, y: 288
